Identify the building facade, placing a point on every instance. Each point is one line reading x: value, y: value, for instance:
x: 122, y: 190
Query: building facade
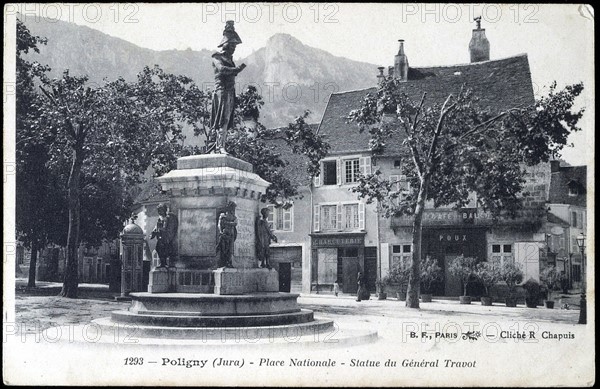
x: 328, y: 234
x: 348, y: 235
x: 567, y: 209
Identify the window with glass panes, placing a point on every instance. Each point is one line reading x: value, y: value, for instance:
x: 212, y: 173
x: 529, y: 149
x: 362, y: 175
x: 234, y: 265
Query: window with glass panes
x: 328, y: 217
x: 574, y: 246
x: 280, y: 219
x: 351, y: 170
x: 350, y: 216
x: 501, y: 252
x: 401, y: 252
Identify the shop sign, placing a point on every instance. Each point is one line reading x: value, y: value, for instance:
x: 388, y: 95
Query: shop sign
x: 455, y: 217
x: 337, y: 241
x: 452, y: 237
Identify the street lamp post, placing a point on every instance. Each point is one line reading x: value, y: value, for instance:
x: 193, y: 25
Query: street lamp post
x: 582, y: 309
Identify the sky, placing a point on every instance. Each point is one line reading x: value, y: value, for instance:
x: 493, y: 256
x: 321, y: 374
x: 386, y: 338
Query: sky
x: 559, y: 39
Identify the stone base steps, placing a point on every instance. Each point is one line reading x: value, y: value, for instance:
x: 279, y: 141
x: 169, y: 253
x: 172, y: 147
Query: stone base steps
x: 316, y: 327
x: 267, y: 303
x: 103, y: 335
x: 268, y: 318
x: 188, y: 320
x: 320, y: 332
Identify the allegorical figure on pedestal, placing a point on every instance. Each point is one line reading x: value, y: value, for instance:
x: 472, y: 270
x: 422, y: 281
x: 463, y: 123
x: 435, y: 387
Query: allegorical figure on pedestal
x: 264, y: 236
x: 165, y: 233
x: 223, y: 100
x: 227, y: 227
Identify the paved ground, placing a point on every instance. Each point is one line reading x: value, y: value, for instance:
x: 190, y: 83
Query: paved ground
x: 41, y: 308
x: 484, y: 339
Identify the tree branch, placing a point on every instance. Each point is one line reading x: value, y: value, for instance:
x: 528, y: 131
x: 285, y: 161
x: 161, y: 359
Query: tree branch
x: 486, y: 124
x: 48, y: 95
x: 416, y: 159
x: 416, y: 119
x: 439, y: 127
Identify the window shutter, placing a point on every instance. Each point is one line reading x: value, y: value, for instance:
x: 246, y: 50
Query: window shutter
x: 317, y: 218
x: 339, y: 171
x: 365, y: 165
x: 339, y: 216
x: 318, y: 178
x: 395, y: 178
x: 271, y: 217
x: 404, y: 184
x: 361, y: 216
x: 385, y: 259
x: 287, y: 219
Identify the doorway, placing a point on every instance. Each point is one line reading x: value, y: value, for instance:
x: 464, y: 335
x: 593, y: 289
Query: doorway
x: 285, y: 276
x: 350, y: 274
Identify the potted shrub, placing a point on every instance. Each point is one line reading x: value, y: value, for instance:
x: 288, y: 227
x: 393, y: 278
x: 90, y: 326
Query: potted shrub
x: 511, y: 273
x: 464, y: 268
x: 381, y: 294
x: 431, y: 273
x: 399, y: 275
x: 489, y: 275
x: 551, y: 278
x: 533, y: 292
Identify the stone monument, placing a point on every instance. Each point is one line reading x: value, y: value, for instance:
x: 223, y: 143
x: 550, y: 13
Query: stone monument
x: 203, y: 190
x: 209, y: 283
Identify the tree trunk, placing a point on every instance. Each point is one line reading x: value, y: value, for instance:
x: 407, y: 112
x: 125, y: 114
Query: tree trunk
x: 414, y: 282
x: 32, y: 265
x: 71, y: 281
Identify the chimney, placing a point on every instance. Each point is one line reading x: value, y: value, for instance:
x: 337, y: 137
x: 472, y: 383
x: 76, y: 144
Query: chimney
x: 479, y: 47
x: 391, y: 71
x: 401, y: 63
x: 554, y: 166
x: 380, y: 76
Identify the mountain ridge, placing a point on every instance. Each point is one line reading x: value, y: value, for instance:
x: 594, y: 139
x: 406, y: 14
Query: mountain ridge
x: 291, y: 76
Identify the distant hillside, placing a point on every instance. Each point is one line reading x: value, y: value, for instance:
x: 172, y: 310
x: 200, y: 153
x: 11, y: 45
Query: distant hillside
x: 291, y: 76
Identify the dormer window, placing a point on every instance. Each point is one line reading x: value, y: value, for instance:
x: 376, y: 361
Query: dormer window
x: 575, y: 188
x: 573, y: 191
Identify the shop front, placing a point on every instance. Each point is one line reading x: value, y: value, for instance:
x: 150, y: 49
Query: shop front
x: 449, y: 233
x: 445, y: 244
x: 337, y: 258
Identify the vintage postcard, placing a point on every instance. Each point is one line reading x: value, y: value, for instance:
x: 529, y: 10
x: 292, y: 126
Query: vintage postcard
x: 299, y: 194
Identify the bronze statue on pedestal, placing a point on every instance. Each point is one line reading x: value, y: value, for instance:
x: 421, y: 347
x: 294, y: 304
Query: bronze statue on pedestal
x: 264, y: 236
x: 223, y: 100
x: 227, y: 227
x: 165, y: 233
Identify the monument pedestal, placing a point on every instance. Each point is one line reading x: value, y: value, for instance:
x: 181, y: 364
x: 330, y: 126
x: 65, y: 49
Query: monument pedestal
x: 199, y: 191
x: 243, y: 281
x: 162, y: 280
x: 196, y: 301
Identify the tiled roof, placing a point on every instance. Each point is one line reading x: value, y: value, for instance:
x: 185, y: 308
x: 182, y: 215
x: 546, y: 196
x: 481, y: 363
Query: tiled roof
x: 552, y: 218
x: 560, y: 182
x: 498, y: 85
x: 297, y: 163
